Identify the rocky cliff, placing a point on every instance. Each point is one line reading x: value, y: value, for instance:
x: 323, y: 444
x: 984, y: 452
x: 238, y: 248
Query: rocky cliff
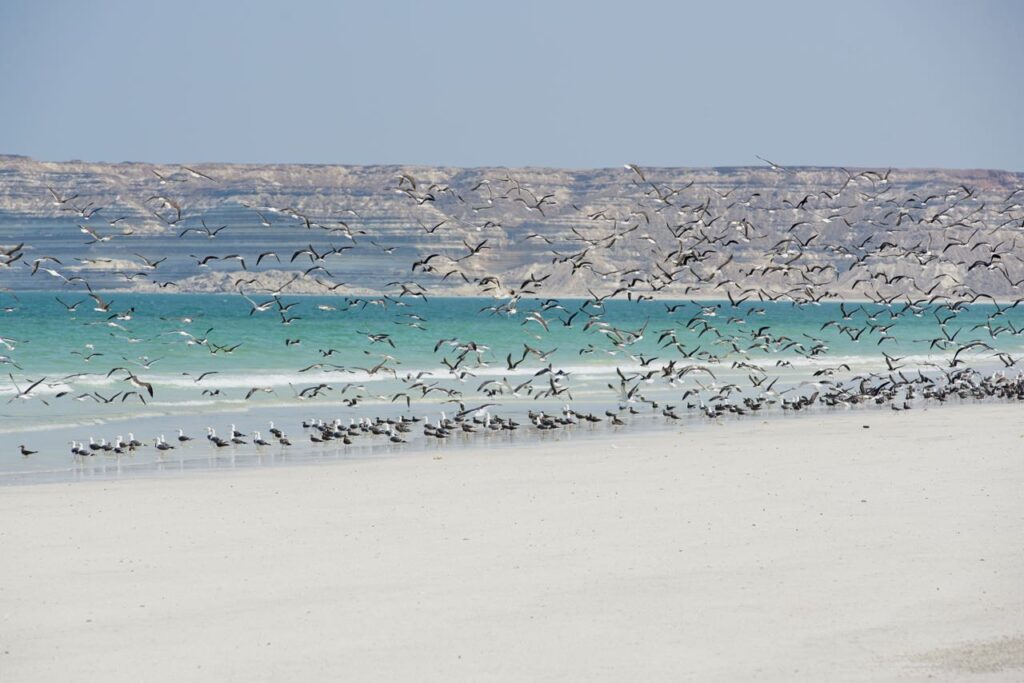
x: 800, y: 233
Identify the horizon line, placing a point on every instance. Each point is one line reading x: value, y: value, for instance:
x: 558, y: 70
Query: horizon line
x: 765, y: 166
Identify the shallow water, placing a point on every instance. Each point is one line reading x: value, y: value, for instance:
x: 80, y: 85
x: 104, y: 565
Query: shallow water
x: 181, y: 336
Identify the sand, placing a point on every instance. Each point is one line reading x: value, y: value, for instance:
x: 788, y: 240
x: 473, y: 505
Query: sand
x: 801, y: 548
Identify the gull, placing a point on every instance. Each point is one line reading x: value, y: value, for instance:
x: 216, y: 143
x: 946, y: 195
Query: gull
x: 267, y: 390
x: 774, y: 165
x: 235, y: 257
x: 200, y: 378
x: 473, y: 250
x: 406, y: 178
x: 424, y: 262
x: 535, y: 316
x: 133, y: 276
x: 636, y: 169
x: 133, y: 380
x: 433, y: 229
x: 216, y: 348
x: 197, y: 174
x: 43, y: 259
x: 538, y: 236
x: 378, y: 337
x: 57, y: 199
x: 167, y: 221
x: 331, y: 287
x: 101, y: 305
x: 150, y: 263
x: 266, y: 254
x: 264, y: 221
x: 538, y: 203
x: 166, y: 179
x: 211, y: 435
x: 97, y: 262
x: 386, y: 250
x: 96, y: 237
x: 463, y: 410
x: 313, y: 254
x: 310, y: 392
x: 166, y: 203
x: 87, y: 212
x: 24, y: 395
x: 209, y: 232
x: 54, y: 273
x: 279, y: 290
x: 11, y: 254
x: 258, y: 307
x: 347, y: 231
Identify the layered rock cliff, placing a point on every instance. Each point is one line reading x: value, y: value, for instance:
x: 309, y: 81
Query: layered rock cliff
x: 799, y: 232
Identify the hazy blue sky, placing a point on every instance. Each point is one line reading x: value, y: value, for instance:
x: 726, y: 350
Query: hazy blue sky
x: 578, y: 83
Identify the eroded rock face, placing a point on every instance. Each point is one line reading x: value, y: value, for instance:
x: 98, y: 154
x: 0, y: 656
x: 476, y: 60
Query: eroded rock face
x: 799, y: 233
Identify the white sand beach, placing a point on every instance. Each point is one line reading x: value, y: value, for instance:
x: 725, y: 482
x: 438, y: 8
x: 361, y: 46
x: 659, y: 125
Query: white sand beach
x: 800, y: 548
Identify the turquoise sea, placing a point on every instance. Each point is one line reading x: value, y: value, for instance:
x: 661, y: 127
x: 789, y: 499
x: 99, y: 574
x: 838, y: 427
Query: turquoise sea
x: 587, y: 349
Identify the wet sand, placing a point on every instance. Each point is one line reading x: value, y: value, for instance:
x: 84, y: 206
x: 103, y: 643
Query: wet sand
x: 799, y: 548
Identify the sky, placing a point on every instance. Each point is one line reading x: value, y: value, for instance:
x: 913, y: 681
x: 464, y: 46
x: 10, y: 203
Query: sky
x: 577, y: 84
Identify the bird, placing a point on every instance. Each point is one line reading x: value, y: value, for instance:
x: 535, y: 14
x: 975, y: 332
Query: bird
x: 763, y: 243
x: 197, y: 174
x: 774, y: 166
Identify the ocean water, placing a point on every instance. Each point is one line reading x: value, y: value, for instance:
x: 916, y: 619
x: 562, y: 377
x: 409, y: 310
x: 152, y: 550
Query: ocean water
x: 170, y: 340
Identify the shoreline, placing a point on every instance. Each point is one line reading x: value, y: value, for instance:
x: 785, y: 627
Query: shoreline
x: 198, y: 457
x: 803, y: 549
x: 902, y: 299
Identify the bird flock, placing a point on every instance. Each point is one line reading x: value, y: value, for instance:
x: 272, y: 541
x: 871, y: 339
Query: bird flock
x: 870, y: 250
